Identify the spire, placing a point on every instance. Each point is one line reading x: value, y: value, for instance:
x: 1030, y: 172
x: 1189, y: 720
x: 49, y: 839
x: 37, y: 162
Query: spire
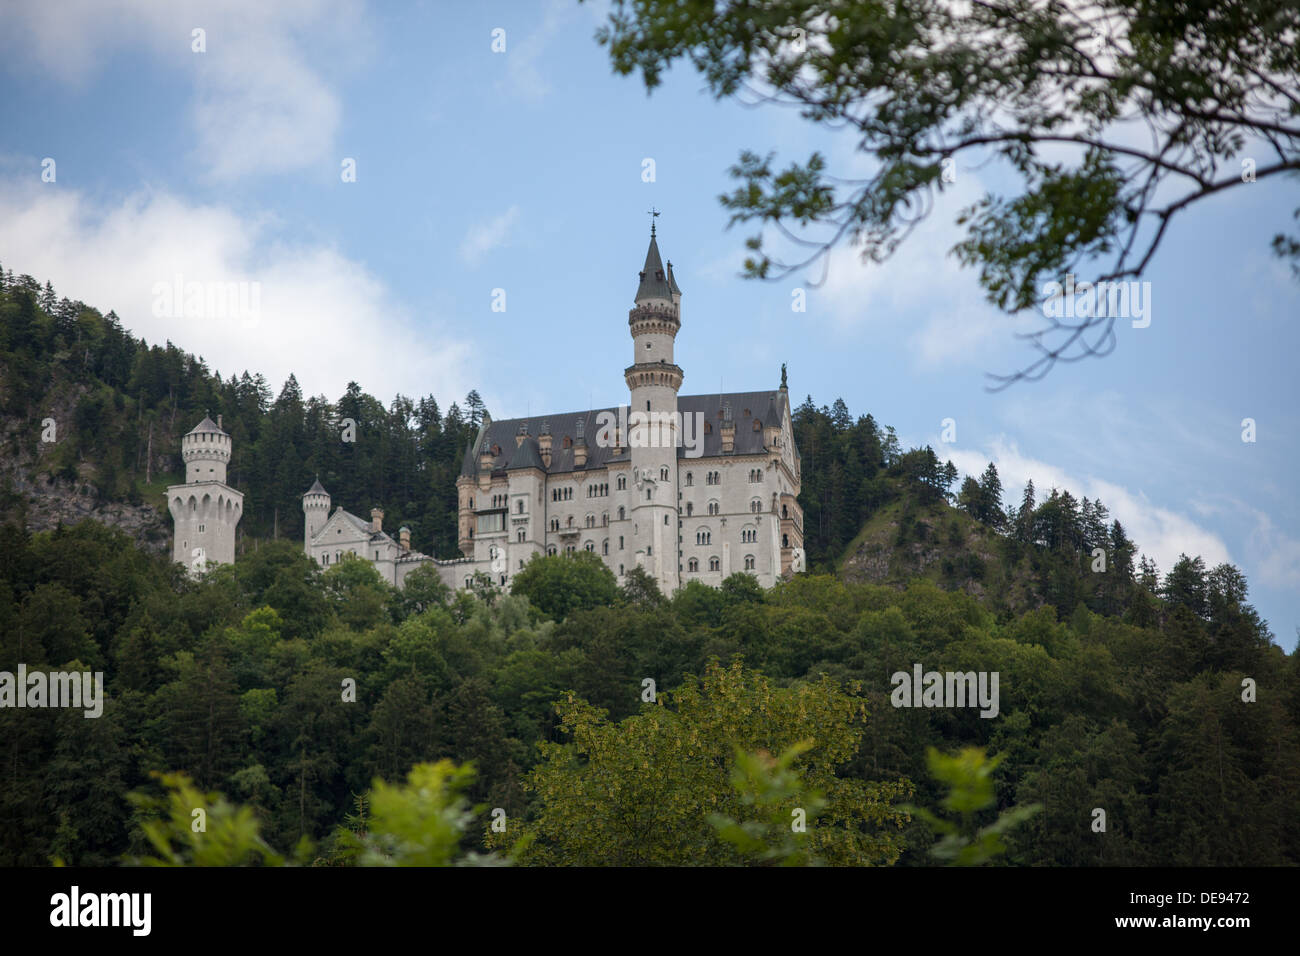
x: 316, y: 488
x: 469, y: 467
x: 654, y: 279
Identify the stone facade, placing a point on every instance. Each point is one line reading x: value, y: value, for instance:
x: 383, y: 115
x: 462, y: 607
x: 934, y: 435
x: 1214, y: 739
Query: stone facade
x: 204, y: 510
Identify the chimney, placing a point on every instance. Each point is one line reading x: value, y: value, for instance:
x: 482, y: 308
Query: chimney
x: 544, y: 444
x: 376, y: 520
x: 404, y: 537
x: 523, y: 433
x: 580, y: 445
x: 728, y: 430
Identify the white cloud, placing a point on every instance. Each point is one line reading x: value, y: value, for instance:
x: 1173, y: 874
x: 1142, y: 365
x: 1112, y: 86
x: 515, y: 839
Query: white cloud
x: 484, y: 237
x: 324, y: 317
x: 1160, y: 533
x: 259, y: 105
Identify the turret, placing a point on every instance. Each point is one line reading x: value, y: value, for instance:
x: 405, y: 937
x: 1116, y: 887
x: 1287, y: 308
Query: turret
x: 315, y: 511
x: 206, y: 452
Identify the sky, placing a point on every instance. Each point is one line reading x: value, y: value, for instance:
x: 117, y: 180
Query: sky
x: 516, y: 176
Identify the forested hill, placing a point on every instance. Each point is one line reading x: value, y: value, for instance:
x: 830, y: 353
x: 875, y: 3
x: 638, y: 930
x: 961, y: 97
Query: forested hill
x: 872, y: 511
x: 120, y: 407
x: 1158, y: 699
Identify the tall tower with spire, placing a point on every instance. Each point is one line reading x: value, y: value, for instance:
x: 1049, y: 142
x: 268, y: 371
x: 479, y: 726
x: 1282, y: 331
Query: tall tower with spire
x: 204, y: 510
x: 653, y: 380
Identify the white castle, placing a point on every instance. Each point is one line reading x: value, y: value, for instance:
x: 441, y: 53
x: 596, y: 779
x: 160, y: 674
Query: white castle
x: 689, y: 487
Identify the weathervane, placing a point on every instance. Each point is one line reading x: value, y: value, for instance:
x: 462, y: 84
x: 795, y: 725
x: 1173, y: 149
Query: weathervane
x: 654, y: 214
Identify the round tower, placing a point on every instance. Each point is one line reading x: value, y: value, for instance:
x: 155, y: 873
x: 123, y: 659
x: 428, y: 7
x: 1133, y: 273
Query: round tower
x: 205, y: 510
x: 653, y: 380
x: 315, y: 512
x: 206, y: 452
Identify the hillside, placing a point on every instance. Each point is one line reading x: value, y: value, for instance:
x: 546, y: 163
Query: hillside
x: 1120, y: 688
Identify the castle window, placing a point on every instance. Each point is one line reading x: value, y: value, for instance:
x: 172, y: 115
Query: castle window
x: 714, y: 507
x: 758, y: 426
x: 690, y: 508
x: 550, y: 550
x: 620, y: 542
x: 622, y: 482
x: 591, y: 521
x: 521, y: 564
x: 663, y: 474
x: 715, y: 564
x: 785, y: 512
x: 621, y: 513
x: 690, y: 479
x: 569, y: 549
x: 749, y: 562
x: 520, y: 509
x: 693, y: 564
x: 755, y: 505
x: 665, y: 519
x: 568, y: 442
x: 590, y: 546
x: 604, y: 546
x: 570, y: 521
x: 703, y: 536
x: 521, y: 535
x: 604, y: 519
x: 620, y: 570
x: 785, y: 541
x: 201, y: 529
x: 376, y: 555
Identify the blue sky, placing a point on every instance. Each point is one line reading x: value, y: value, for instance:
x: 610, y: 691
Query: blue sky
x: 522, y: 171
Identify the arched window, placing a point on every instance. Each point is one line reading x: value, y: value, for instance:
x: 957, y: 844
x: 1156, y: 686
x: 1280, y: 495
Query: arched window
x: 521, y: 534
x: 550, y: 550
x: 622, y: 482
x: 590, y: 546
x: 621, y: 512
x: 714, y: 508
x: 604, y: 546
x: 591, y: 521
x: 604, y: 519
x: 693, y: 564
x: 785, y: 541
x: 749, y: 562
x: 690, y: 479
x: 663, y: 474
x: 690, y: 509
x: 570, y: 522
x: 647, y: 494
x: 714, y: 564
x: 785, y: 512
x: 755, y: 505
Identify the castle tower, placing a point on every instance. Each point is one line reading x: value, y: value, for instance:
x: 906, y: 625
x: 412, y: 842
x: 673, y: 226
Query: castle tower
x: 204, y: 510
x: 653, y: 381
x: 315, y: 512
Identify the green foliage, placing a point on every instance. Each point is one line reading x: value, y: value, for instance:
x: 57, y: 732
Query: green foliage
x: 771, y: 790
x: 419, y: 823
x: 969, y: 779
x: 561, y: 584
x: 641, y: 792
x: 187, y: 827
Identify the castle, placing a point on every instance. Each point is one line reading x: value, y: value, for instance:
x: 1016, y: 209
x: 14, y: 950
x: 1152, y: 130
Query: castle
x: 687, y: 487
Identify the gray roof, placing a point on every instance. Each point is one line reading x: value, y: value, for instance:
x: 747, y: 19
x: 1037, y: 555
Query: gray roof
x: 527, y: 455
x: 207, y: 425
x: 672, y: 280
x: 654, y: 281
x: 316, y: 488
x: 469, y: 467
x: 745, y: 407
